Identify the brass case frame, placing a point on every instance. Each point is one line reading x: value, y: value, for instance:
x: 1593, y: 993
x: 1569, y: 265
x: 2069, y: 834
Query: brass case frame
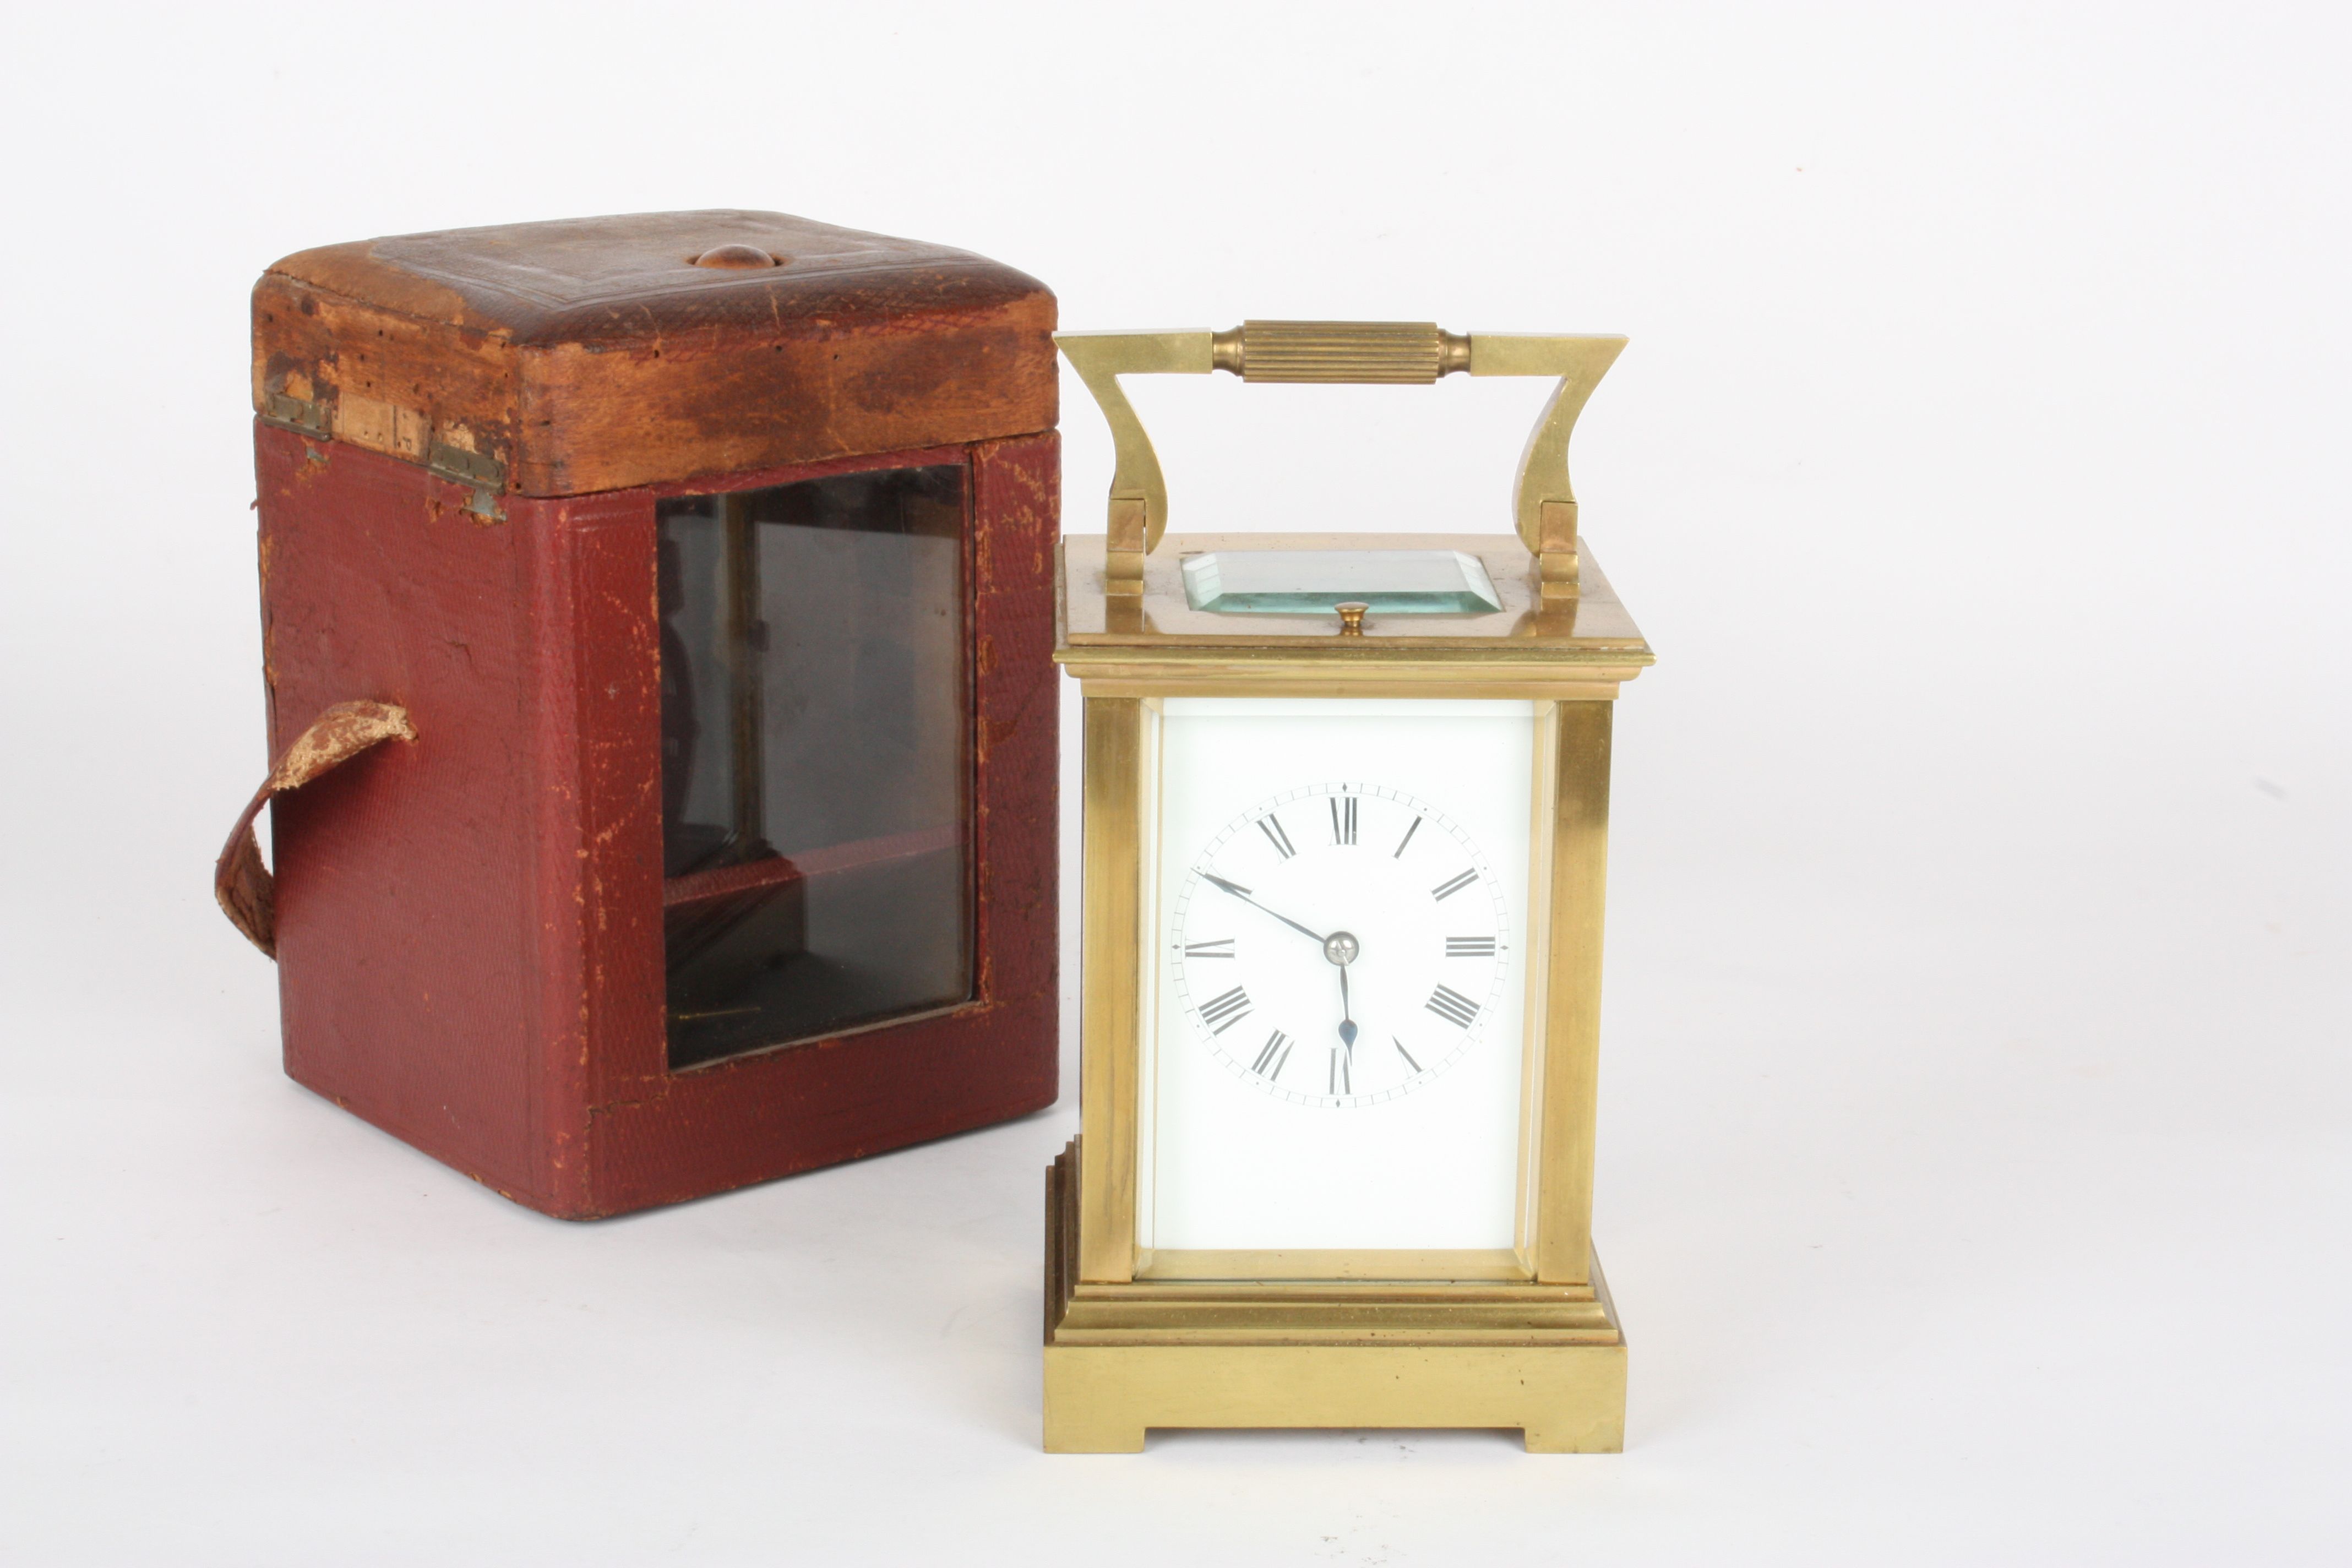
x: 1525, y: 1338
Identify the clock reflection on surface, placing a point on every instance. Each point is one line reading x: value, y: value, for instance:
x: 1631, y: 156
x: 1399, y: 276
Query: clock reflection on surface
x: 1340, y: 945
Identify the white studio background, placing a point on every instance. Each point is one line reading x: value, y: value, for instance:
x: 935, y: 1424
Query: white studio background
x: 1974, y: 1168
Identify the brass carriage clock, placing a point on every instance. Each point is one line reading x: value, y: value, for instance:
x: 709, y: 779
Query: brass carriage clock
x: 1346, y: 812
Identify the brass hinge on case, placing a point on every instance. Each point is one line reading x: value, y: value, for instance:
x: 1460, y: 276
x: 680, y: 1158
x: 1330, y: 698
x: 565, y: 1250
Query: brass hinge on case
x: 487, y: 475
x: 303, y: 416
x: 312, y: 418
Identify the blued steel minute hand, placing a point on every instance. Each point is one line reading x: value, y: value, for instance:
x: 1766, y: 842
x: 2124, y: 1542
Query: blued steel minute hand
x: 1244, y: 895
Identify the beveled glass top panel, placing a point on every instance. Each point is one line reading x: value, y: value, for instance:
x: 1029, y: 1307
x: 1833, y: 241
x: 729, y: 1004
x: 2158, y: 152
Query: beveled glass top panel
x: 1591, y: 627
x: 1312, y: 581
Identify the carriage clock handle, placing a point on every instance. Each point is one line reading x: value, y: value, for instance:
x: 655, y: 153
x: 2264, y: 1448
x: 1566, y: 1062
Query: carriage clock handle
x: 1389, y: 352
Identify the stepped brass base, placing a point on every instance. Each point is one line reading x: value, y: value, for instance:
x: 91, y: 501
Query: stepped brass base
x: 1120, y: 1359
x: 1100, y: 1399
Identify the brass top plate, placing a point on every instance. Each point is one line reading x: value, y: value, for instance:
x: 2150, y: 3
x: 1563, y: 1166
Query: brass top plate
x: 1591, y: 627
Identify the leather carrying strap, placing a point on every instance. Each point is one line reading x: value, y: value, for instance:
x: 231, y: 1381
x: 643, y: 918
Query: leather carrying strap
x: 247, y: 894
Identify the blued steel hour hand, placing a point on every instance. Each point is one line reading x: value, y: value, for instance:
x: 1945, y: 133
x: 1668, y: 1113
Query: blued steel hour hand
x: 1243, y: 893
x: 1342, y: 949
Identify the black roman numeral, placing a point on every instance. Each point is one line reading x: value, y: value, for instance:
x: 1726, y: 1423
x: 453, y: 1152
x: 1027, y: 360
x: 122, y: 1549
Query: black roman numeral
x: 1222, y: 1013
x: 1405, y: 1054
x: 1469, y: 947
x: 1343, y: 819
x: 1406, y: 840
x: 1453, y: 1006
x: 1269, y: 1060
x: 1445, y: 890
x: 1271, y: 826
x: 1338, y: 1083
x: 1220, y: 948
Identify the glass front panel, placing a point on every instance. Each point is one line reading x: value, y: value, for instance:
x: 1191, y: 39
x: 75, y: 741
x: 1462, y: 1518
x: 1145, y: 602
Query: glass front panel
x: 816, y: 758
x: 1340, y: 1030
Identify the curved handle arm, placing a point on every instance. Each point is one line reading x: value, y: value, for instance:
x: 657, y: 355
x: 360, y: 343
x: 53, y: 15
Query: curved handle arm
x: 1381, y: 352
x: 1138, y: 492
x: 1543, y: 504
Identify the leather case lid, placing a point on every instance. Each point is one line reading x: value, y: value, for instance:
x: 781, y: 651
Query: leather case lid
x: 625, y: 279
x: 593, y: 354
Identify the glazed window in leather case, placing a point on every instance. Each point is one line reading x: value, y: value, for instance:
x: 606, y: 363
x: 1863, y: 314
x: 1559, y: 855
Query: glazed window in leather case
x: 707, y: 557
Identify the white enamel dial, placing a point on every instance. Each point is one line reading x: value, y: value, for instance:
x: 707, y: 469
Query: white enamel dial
x: 1338, y: 945
x: 1260, y: 1123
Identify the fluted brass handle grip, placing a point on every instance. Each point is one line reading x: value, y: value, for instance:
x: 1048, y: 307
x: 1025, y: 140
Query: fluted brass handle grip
x: 1394, y: 354
x: 1543, y: 507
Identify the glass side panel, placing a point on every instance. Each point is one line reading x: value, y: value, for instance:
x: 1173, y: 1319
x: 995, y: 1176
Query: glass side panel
x: 816, y: 758
x: 1310, y: 582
